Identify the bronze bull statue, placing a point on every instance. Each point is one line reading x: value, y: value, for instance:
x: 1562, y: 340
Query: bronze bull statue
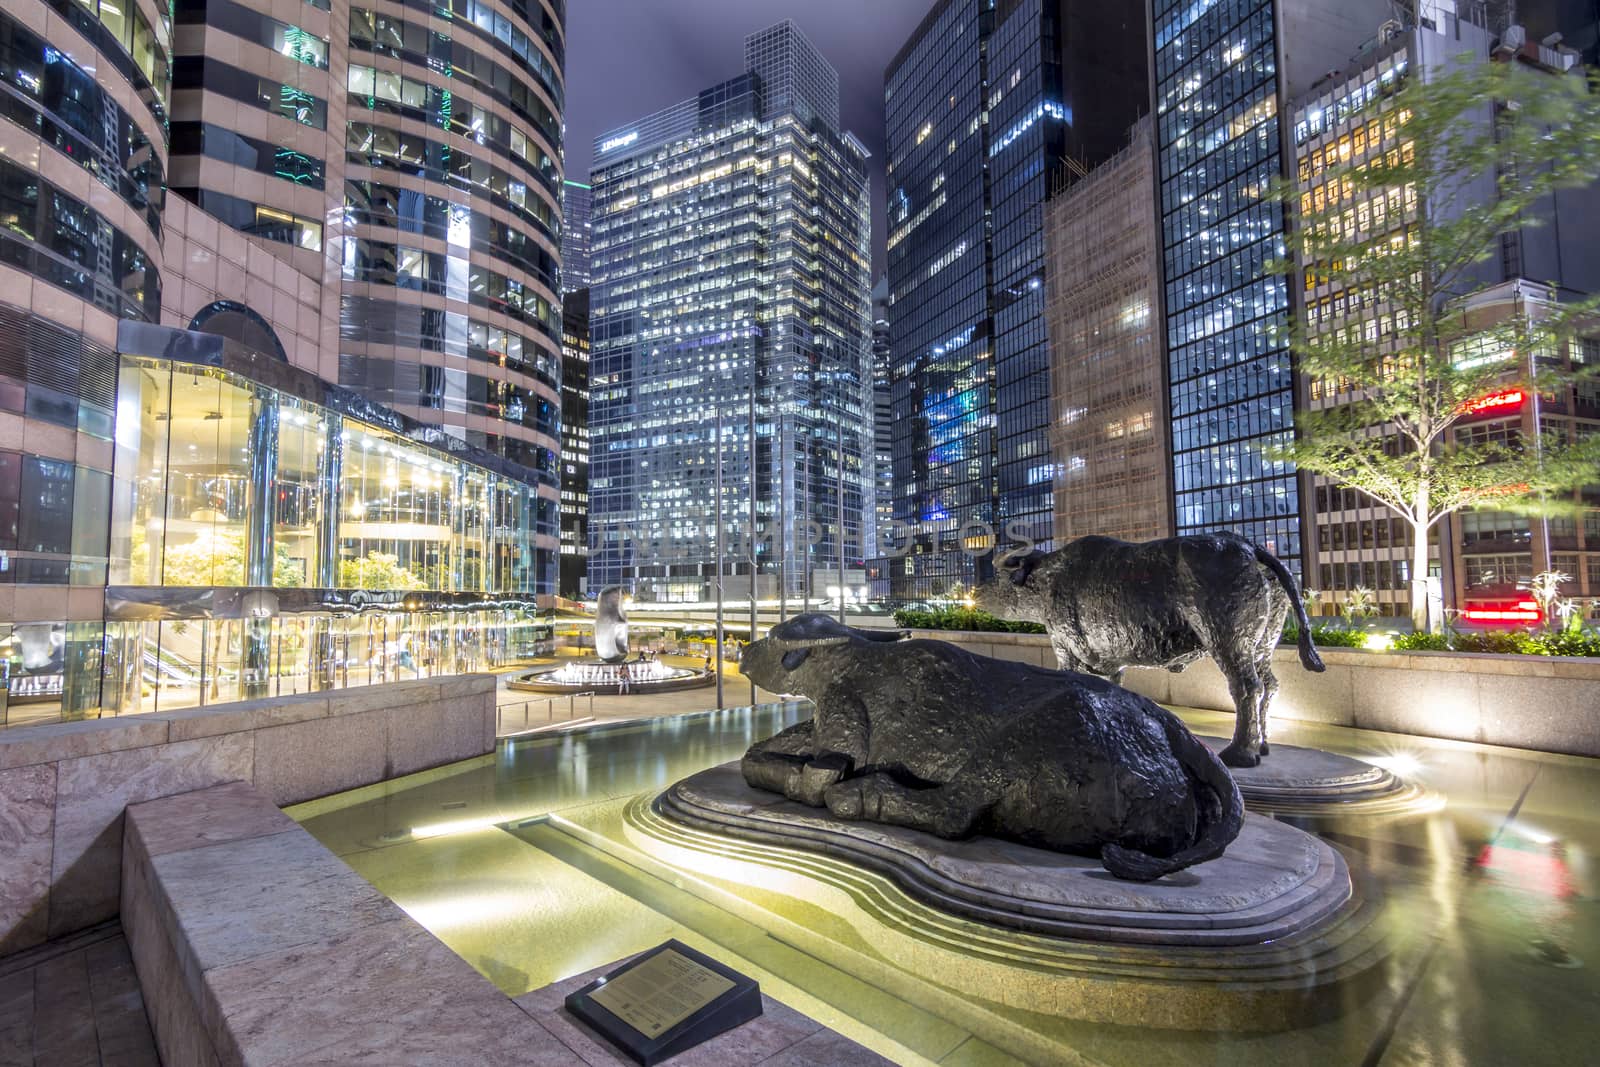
x: 927, y: 735
x: 1109, y: 605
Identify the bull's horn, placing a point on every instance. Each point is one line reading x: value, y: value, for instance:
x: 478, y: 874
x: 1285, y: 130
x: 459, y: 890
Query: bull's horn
x: 815, y: 631
x: 788, y: 644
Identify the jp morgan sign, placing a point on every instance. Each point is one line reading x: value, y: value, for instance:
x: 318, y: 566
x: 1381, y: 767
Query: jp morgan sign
x: 622, y: 141
x: 895, y: 539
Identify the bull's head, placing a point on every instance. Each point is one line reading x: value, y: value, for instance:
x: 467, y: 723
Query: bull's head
x: 1015, y: 593
x: 781, y: 662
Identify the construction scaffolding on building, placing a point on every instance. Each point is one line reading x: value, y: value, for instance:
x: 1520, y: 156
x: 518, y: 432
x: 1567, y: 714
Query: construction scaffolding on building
x: 1108, y: 432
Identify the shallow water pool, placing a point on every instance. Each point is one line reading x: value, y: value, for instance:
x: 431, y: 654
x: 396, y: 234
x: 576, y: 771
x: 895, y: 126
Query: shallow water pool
x: 542, y: 861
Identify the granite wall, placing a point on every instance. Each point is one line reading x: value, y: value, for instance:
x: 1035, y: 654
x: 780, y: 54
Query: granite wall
x: 1547, y: 703
x: 64, y: 786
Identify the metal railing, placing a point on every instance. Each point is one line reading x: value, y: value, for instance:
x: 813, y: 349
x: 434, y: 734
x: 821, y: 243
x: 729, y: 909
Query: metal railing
x: 512, y: 719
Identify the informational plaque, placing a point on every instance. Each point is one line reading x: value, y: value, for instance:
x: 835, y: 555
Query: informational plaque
x: 665, y: 1001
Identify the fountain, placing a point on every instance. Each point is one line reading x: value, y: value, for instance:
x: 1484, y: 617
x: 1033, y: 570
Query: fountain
x: 610, y: 668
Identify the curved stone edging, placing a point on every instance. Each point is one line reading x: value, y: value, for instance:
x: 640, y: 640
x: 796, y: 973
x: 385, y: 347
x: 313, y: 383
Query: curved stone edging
x: 1309, y: 781
x: 701, y: 679
x: 1275, y: 882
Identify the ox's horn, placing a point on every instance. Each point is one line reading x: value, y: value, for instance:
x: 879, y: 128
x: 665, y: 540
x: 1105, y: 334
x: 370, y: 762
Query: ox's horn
x: 818, y: 631
x: 787, y: 644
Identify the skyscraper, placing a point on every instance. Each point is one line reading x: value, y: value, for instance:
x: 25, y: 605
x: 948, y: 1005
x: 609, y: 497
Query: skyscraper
x: 575, y: 203
x: 1108, y: 431
x: 729, y: 325
x: 288, y: 382
x: 575, y: 443
x: 1223, y: 74
x: 982, y: 103
x: 882, y: 440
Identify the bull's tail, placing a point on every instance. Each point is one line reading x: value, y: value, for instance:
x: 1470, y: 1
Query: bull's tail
x: 1221, y: 814
x: 1308, y: 649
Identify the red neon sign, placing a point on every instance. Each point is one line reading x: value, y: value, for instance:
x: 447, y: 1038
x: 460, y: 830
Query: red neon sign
x: 1502, y: 401
x: 1503, y: 611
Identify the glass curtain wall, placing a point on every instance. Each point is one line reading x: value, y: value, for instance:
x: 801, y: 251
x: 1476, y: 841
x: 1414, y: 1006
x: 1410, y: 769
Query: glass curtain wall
x: 413, y: 562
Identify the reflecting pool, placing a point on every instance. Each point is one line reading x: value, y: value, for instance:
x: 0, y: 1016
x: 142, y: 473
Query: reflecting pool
x: 542, y: 861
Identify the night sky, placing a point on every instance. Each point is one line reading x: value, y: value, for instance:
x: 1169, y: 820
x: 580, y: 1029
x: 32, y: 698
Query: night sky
x: 628, y: 58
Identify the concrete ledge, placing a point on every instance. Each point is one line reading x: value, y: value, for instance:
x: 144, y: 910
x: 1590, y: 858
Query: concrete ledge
x: 1546, y: 703
x: 63, y: 787
x: 255, y: 945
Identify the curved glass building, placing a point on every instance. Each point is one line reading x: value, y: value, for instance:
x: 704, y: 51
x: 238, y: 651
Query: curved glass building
x: 238, y: 242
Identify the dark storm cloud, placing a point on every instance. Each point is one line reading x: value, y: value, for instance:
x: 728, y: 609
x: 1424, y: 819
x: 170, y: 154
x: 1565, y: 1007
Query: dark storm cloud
x: 627, y: 58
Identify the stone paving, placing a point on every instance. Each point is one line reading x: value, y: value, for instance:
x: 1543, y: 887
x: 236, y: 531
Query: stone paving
x: 74, y: 1002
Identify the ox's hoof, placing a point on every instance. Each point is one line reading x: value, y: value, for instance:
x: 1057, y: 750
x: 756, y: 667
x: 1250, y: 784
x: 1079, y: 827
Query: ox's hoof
x: 818, y: 775
x: 845, y: 800
x: 1240, y: 756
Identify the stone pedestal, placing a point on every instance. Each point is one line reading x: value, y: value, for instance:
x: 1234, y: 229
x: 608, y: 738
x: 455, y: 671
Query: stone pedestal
x: 1272, y: 882
x: 1308, y: 781
x: 1274, y: 934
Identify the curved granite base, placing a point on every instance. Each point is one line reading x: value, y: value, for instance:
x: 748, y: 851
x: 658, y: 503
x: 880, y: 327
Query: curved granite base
x: 1293, y: 780
x: 1273, y: 882
x: 529, y: 682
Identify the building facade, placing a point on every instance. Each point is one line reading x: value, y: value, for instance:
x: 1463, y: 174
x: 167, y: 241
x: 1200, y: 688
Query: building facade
x: 983, y: 103
x: 576, y: 200
x: 1481, y: 558
x: 1108, y: 439
x: 882, y: 514
x: 731, y: 336
x: 260, y: 444
x: 1224, y: 74
x: 575, y: 444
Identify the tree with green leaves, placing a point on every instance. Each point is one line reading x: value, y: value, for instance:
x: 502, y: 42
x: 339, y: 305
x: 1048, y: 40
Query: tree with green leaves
x: 1402, y: 232
x: 215, y: 555
x: 377, y: 570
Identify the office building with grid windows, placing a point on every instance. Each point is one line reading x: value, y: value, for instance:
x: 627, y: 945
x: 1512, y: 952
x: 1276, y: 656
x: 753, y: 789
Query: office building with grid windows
x: 983, y: 103
x: 1107, y: 432
x: 1484, y: 560
x: 280, y: 343
x: 575, y: 443
x: 1224, y: 73
x: 575, y: 200
x: 729, y: 324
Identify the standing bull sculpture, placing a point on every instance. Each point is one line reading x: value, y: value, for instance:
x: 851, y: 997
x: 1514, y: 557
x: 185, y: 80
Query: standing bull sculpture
x: 1109, y: 605
x: 927, y: 735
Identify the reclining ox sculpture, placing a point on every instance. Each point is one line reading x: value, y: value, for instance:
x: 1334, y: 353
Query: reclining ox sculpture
x: 926, y: 735
x: 1109, y: 605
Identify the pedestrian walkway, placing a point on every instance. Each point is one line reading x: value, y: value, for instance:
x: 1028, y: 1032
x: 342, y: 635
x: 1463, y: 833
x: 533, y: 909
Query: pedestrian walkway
x: 74, y: 1002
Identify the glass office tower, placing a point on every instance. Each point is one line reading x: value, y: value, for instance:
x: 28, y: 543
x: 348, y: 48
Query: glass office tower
x: 1224, y: 71
x: 575, y: 207
x: 345, y: 196
x: 575, y: 443
x: 982, y: 104
x: 730, y: 326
